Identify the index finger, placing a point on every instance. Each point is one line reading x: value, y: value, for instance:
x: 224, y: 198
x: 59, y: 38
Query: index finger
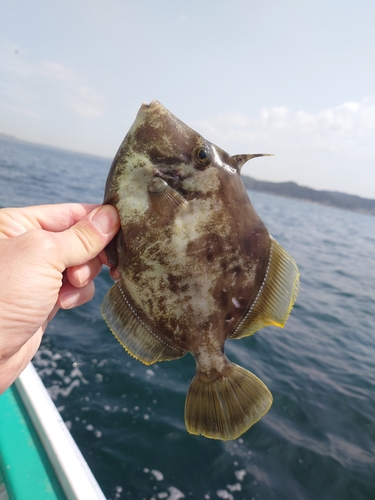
x: 57, y: 217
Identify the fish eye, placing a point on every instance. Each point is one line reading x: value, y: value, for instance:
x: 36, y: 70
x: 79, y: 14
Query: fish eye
x: 202, y: 157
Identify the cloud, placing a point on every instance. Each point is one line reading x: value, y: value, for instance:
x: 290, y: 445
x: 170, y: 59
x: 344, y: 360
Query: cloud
x: 332, y: 148
x: 333, y: 129
x: 87, y: 102
x: 346, y: 127
x: 56, y: 71
x: 28, y: 85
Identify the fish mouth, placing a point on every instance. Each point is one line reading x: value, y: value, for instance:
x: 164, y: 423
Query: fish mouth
x: 153, y: 104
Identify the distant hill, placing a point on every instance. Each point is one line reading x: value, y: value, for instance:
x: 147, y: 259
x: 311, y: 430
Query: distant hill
x: 330, y: 198
x: 9, y: 138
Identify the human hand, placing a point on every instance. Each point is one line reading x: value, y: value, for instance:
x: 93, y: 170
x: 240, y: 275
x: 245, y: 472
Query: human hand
x: 49, y: 256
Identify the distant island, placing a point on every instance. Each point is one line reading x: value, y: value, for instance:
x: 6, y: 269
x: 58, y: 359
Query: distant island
x: 287, y: 189
x: 329, y: 198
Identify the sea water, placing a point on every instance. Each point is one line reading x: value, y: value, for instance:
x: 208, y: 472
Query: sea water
x: 318, y: 439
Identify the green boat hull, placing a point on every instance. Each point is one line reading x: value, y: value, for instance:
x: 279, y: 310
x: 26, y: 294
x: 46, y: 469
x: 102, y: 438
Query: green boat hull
x: 24, y: 466
x: 39, y: 460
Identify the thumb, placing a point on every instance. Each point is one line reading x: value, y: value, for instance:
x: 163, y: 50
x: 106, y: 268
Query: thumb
x: 88, y: 237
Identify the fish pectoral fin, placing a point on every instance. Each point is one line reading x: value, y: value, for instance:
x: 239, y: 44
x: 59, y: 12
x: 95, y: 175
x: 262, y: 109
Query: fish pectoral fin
x: 132, y: 333
x: 276, y: 296
x: 164, y: 199
x: 226, y: 407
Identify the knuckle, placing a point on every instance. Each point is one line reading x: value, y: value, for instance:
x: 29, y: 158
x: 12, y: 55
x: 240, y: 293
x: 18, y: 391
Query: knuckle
x: 43, y: 241
x: 85, y: 237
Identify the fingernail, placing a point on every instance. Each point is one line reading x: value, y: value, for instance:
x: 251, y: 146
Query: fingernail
x: 105, y: 219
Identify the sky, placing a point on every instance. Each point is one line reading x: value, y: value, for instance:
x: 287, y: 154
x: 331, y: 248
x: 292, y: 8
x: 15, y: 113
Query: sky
x: 295, y: 78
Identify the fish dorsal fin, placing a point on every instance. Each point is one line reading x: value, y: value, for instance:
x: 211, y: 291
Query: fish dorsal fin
x: 242, y: 159
x: 276, y: 296
x: 164, y: 199
x: 133, y: 334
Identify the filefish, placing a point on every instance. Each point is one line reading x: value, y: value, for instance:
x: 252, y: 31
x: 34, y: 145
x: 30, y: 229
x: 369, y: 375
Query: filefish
x: 194, y: 266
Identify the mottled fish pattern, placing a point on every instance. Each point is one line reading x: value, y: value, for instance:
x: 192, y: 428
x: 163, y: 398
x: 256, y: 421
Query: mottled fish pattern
x: 194, y: 266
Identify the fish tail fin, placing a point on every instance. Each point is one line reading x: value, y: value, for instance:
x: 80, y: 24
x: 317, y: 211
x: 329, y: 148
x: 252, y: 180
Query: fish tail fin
x: 227, y: 406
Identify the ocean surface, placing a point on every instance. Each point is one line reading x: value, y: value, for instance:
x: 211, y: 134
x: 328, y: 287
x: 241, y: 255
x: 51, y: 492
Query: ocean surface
x: 318, y: 439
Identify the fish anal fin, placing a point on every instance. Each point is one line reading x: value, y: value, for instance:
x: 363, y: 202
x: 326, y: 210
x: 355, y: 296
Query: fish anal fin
x: 164, y: 199
x: 228, y: 406
x: 276, y: 296
x: 133, y: 334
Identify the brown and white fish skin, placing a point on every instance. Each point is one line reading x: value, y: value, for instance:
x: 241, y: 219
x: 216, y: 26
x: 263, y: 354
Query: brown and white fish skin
x: 196, y: 266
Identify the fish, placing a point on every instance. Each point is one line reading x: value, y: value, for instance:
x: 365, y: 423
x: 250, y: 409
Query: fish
x: 194, y: 266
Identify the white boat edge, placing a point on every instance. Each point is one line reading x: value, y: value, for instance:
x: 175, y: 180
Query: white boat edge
x: 75, y: 476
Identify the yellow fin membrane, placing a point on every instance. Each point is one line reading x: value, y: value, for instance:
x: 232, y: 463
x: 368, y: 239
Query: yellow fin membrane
x: 226, y: 407
x: 276, y: 296
x: 132, y: 333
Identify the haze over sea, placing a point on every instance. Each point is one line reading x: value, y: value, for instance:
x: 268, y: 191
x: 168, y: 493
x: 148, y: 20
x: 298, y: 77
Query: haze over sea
x: 318, y: 439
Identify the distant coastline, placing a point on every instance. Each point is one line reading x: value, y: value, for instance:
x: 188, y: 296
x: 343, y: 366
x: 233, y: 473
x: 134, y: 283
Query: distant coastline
x: 12, y: 138
x: 287, y: 189
x: 329, y: 198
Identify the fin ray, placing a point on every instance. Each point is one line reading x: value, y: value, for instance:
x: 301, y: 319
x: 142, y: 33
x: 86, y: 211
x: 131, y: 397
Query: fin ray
x: 228, y: 406
x: 164, y: 199
x: 132, y: 333
x: 276, y: 296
